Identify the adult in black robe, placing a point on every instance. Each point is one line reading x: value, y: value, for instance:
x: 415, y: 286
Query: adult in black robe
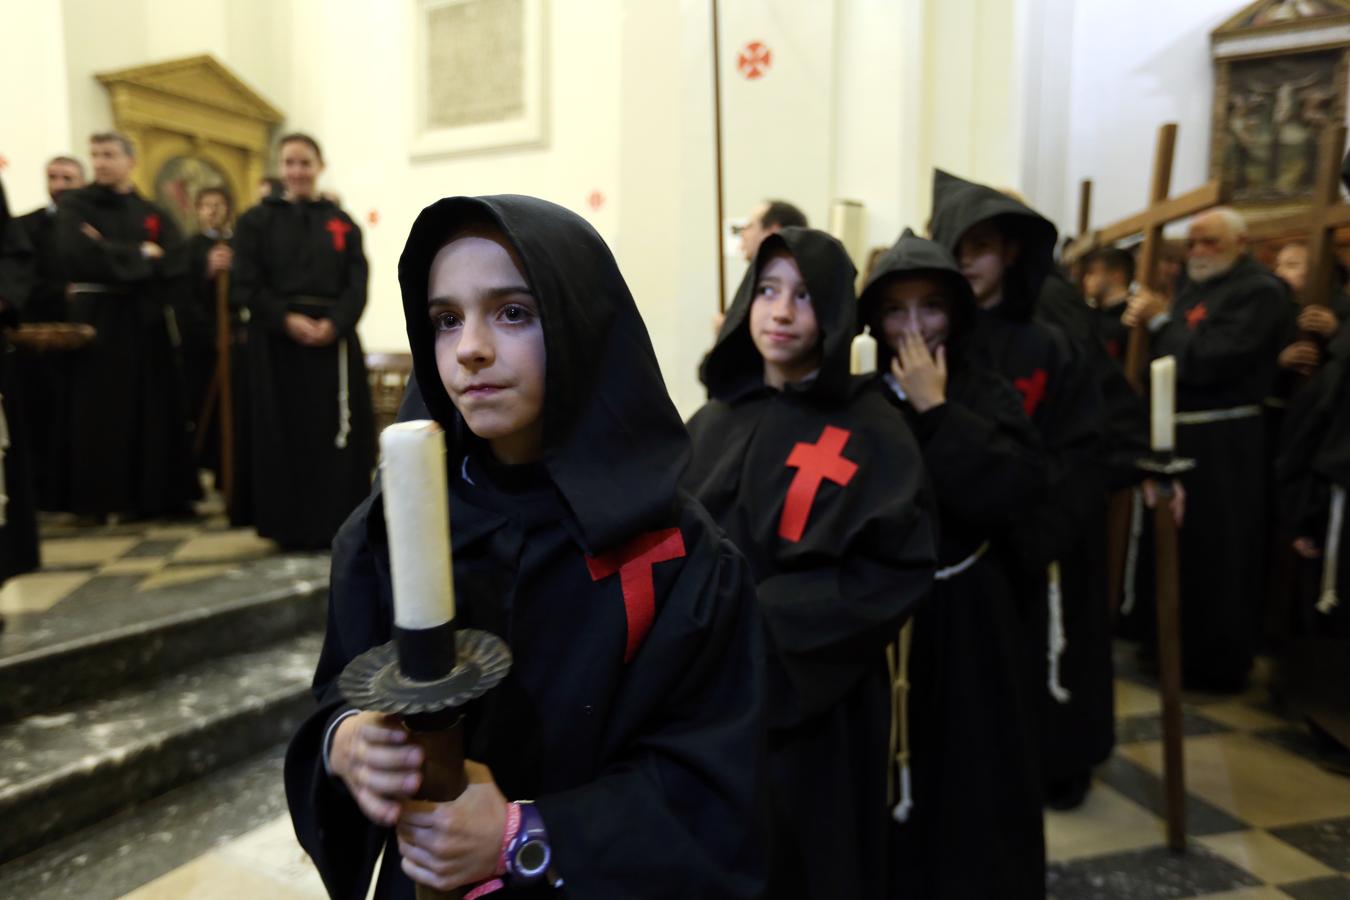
x: 840, y: 563
x: 1313, y: 468
x: 129, y: 451
x: 975, y: 828
x: 43, y: 377
x: 640, y: 743
x: 197, y: 323
x: 1225, y: 329
x: 305, y: 440
x: 1059, y: 545
x: 18, y: 514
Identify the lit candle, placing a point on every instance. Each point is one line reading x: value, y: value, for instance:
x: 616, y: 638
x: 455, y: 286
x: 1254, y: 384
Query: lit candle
x: 863, y: 354
x: 417, y: 517
x: 1164, y: 403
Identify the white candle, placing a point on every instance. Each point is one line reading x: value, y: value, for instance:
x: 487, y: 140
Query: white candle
x: 1164, y: 403
x: 417, y: 516
x: 863, y: 354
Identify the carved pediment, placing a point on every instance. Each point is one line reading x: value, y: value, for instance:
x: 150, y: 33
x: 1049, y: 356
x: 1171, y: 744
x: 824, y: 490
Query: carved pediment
x: 199, y: 79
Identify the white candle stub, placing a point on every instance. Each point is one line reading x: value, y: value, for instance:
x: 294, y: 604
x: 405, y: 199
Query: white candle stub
x: 417, y: 515
x: 863, y: 354
x: 1163, y: 373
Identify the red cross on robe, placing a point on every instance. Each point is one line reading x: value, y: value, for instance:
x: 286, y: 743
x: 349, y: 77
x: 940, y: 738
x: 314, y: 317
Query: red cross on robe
x: 1195, y: 315
x: 1032, y: 389
x: 634, y: 561
x: 338, y: 229
x: 151, y: 224
x: 822, y: 461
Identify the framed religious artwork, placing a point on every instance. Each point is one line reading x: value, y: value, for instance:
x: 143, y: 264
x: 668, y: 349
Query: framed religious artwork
x: 479, y: 79
x: 1280, y: 76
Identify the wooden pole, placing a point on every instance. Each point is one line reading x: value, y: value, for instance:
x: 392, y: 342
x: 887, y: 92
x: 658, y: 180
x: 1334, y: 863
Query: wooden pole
x: 1136, y: 355
x: 717, y: 150
x: 1169, y: 670
x: 1084, y: 206
x: 443, y: 780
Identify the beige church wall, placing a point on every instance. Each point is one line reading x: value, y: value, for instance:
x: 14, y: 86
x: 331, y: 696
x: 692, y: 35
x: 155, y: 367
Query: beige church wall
x: 34, y: 104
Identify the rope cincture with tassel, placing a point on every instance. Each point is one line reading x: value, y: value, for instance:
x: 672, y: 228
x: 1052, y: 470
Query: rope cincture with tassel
x: 1058, y: 641
x: 344, y: 398
x: 4, y: 449
x: 1330, y: 598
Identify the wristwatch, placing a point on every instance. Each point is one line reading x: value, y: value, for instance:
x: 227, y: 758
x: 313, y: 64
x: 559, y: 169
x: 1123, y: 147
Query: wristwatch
x: 529, y: 855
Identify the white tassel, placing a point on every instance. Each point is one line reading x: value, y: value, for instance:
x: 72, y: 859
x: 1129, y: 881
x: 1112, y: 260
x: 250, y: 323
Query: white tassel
x: 906, y: 805
x: 1132, y: 551
x: 1331, y: 559
x: 1058, y: 641
x: 344, y: 399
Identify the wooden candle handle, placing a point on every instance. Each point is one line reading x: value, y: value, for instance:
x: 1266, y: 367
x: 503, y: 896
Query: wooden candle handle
x: 443, y: 780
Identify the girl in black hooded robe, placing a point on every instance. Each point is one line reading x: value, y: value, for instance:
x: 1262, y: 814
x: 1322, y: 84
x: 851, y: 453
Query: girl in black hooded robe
x: 974, y: 829
x: 1067, y: 616
x: 820, y: 483
x: 632, y: 715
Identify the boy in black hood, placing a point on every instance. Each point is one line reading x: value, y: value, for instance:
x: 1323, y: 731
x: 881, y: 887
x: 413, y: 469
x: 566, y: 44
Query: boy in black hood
x: 632, y: 714
x: 1005, y: 251
x: 816, y: 478
x: 975, y: 826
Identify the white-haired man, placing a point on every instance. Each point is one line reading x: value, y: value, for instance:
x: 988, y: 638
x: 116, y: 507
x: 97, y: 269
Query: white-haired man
x: 1225, y: 328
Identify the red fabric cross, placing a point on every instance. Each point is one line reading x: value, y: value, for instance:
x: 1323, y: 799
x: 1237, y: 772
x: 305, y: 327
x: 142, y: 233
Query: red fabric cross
x: 821, y: 461
x: 1195, y: 315
x: 338, y: 229
x: 1113, y: 348
x: 151, y: 224
x: 634, y: 561
x: 1032, y: 389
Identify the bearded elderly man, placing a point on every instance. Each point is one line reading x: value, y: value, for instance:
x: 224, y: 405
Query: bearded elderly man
x: 1225, y: 328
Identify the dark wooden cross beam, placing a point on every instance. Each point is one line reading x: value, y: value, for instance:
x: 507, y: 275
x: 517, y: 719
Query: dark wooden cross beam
x: 1319, y: 221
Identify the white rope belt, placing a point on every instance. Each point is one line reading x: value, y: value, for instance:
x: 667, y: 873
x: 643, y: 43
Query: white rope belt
x: 1208, y: 416
x: 1132, y: 550
x: 952, y: 571
x: 4, y: 446
x: 1059, y: 640
x: 1331, y: 552
x: 344, y: 399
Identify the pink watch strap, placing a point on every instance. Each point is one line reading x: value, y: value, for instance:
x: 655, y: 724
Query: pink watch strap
x: 508, y: 835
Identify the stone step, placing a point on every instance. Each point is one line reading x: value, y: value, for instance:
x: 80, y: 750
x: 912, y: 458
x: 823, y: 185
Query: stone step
x: 65, y: 769
x: 111, y: 633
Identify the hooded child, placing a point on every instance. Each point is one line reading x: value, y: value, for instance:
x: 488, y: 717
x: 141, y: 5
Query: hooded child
x: 975, y: 825
x: 632, y: 717
x: 817, y: 479
x: 1005, y: 250
x: 306, y: 434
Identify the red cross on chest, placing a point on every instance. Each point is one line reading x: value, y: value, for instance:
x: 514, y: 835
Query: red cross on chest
x: 1032, y: 389
x: 634, y: 561
x: 151, y: 224
x: 1195, y: 315
x: 338, y: 229
x: 822, y: 461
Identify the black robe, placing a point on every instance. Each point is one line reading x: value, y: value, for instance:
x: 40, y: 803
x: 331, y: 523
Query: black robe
x: 975, y: 829
x: 304, y: 452
x: 18, y: 515
x: 43, y: 378
x: 838, y: 570
x: 1226, y: 334
x: 129, y: 450
x: 1061, y: 380
x: 196, y: 313
x: 641, y: 744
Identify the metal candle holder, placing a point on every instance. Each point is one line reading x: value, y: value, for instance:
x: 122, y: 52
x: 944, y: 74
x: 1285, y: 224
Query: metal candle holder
x: 1164, y: 463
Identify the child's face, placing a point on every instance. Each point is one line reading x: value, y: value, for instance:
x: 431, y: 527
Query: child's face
x: 212, y: 212
x: 783, y: 322
x: 984, y: 256
x: 914, y: 305
x: 489, y: 344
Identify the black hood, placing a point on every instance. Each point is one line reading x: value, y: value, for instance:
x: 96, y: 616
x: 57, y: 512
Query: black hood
x: 734, y: 367
x: 613, y: 443
x: 913, y: 255
x: 959, y: 205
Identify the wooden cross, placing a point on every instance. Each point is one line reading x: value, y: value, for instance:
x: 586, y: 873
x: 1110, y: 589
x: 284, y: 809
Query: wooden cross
x: 1319, y: 221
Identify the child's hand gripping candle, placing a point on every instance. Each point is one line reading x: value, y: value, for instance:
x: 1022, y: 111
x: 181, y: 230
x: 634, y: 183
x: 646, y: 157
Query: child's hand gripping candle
x: 863, y: 354
x: 1164, y: 404
x: 417, y: 515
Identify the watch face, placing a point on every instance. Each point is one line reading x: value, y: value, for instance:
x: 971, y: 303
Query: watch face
x: 532, y: 857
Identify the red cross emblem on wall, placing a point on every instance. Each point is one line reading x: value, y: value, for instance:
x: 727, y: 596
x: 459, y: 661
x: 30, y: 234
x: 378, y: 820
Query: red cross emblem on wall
x: 754, y: 60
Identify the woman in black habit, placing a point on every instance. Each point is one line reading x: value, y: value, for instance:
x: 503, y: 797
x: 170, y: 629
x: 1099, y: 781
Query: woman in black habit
x: 632, y: 716
x: 306, y: 429
x: 974, y: 829
x: 820, y: 483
